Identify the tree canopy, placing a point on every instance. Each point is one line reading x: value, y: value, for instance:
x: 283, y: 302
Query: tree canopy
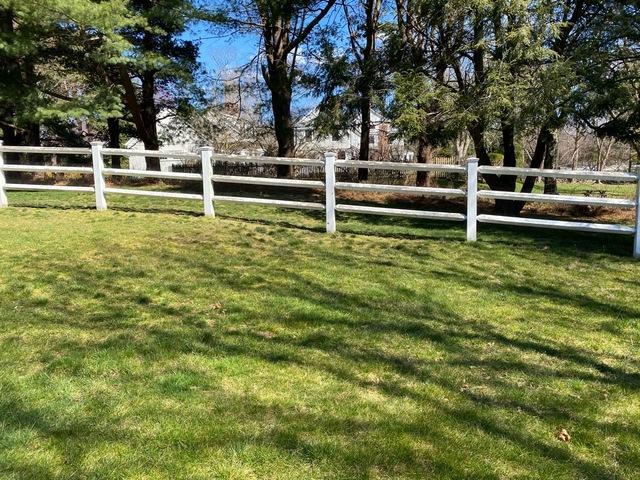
x: 499, y: 72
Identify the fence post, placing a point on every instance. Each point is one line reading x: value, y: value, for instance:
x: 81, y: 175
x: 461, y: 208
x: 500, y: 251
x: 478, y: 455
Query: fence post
x: 98, y: 176
x: 3, y: 194
x: 472, y: 199
x: 636, y: 242
x: 206, y: 154
x: 330, y: 190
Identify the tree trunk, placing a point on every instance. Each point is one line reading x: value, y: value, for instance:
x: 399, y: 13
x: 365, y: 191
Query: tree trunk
x: 153, y: 163
x: 367, y: 78
x: 506, y: 183
x: 113, y: 127
x: 425, y: 152
x: 283, y: 124
x: 365, y: 132
x: 461, y: 147
x: 545, y: 137
x: 276, y: 76
x: 149, y: 115
x: 476, y: 132
x: 550, y: 184
x: 9, y: 137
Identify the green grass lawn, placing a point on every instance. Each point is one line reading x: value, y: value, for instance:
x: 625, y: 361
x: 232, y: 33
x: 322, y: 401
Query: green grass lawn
x: 150, y: 342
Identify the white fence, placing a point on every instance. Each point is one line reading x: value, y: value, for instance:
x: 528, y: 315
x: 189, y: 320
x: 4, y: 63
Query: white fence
x: 98, y: 171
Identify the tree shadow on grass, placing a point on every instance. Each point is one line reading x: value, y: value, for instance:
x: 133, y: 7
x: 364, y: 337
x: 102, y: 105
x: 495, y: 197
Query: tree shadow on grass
x: 455, y: 380
x: 336, y: 354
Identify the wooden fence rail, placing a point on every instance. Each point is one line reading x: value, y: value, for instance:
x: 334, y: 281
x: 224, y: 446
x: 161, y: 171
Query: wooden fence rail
x: 330, y: 165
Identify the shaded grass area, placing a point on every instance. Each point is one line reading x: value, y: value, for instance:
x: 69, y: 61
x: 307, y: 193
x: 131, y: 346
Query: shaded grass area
x: 150, y: 342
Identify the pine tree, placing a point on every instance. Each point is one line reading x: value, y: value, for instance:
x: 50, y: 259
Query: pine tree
x: 41, y: 48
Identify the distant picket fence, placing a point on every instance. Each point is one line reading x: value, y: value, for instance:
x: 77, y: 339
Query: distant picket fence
x: 329, y: 165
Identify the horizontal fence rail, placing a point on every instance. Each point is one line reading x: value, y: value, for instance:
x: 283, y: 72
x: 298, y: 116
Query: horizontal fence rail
x: 402, y: 189
x: 400, y: 212
x: 306, y: 162
x: 329, y: 165
x: 46, y: 150
x: 559, y: 224
x: 125, y: 152
x: 151, y: 174
x: 46, y: 169
x: 275, y: 182
x: 575, y: 174
x: 565, y: 199
x: 416, y: 167
x: 56, y: 188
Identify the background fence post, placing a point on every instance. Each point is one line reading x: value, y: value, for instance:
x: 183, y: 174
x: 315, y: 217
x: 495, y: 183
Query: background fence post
x: 330, y: 190
x: 636, y: 241
x: 206, y: 153
x: 472, y: 199
x: 3, y: 194
x: 98, y: 176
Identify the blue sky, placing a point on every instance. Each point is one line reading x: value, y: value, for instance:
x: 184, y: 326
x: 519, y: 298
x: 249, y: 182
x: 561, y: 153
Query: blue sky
x: 218, y: 53
x: 229, y: 52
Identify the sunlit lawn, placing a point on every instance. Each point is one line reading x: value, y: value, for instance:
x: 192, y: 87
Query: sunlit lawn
x: 150, y: 342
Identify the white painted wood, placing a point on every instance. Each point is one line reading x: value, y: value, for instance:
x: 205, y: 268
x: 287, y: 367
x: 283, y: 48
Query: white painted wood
x: 46, y: 168
x: 577, y: 174
x: 270, y: 202
x: 636, y: 242
x: 401, y: 189
x: 398, y: 212
x: 269, y: 160
x: 151, y: 193
x: 149, y: 153
x: 565, y: 199
x: 98, y: 176
x: 123, y: 172
x: 278, y: 182
x: 47, y: 150
x: 330, y: 191
x: 54, y: 188
x: 472, y: 199
x: 424, y: 167
x: 207, y: 181
x: 4, y: 202
x: 557, y: 224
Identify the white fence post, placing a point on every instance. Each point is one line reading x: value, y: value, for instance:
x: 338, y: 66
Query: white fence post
x: 98, y: 176
x: 206, y: 154
x: 636, y: 242
x: 3, y: 194
x: 330, y: 190
x: 472, y: 199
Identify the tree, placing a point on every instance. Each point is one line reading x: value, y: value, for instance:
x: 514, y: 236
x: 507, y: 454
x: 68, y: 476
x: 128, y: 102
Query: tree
x: 423, y: 114
x: 610, y: 87
x: 419, y: 50
x: 282, y: 26
x: 158, y: 74
x: 512, y: 67
x: 40, y: 48
x: 352, y: 82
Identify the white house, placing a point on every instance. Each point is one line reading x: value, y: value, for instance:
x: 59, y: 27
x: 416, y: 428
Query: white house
x: 175, y: 135
x: 347, y: 145
x: 244, y: 134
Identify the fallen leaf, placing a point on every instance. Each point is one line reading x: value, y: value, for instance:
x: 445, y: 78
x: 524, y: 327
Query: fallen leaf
x: 563, y: 435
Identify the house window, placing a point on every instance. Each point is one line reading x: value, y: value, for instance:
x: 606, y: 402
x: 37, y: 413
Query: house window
x: 372, y: 139
x: 308, y: 134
